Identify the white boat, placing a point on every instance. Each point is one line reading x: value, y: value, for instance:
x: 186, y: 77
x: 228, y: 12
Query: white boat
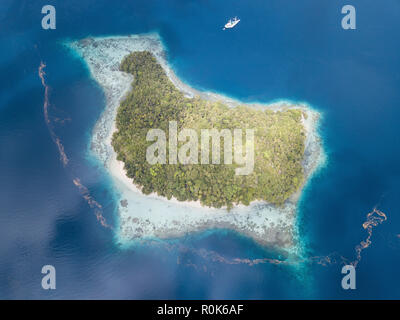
x: 231, y: 23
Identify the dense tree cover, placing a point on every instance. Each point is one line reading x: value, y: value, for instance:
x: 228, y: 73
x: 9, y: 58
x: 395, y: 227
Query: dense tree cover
x: 154, y: 101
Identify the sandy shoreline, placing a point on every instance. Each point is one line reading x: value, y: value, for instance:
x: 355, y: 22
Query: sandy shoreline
x: 152, y: 216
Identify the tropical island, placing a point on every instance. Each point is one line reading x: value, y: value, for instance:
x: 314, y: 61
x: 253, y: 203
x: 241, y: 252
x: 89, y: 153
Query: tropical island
x: 168, y: 201
x: 154, y: 102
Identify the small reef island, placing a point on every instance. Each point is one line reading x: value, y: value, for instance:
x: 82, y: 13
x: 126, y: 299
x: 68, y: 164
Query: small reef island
x: 154, y: 102
x: 172, y: 199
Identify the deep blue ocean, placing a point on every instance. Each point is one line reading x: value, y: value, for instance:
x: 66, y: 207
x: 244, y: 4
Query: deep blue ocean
x: 281, y: 49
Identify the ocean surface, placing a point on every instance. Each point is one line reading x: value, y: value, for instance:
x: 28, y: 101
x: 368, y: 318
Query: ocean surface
x: 281, y: 49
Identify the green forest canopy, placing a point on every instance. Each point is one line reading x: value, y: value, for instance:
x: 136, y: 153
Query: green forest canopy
x: 154, y: 101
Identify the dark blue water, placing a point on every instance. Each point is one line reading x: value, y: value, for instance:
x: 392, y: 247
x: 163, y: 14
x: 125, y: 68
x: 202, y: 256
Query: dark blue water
x: 280, y: 50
